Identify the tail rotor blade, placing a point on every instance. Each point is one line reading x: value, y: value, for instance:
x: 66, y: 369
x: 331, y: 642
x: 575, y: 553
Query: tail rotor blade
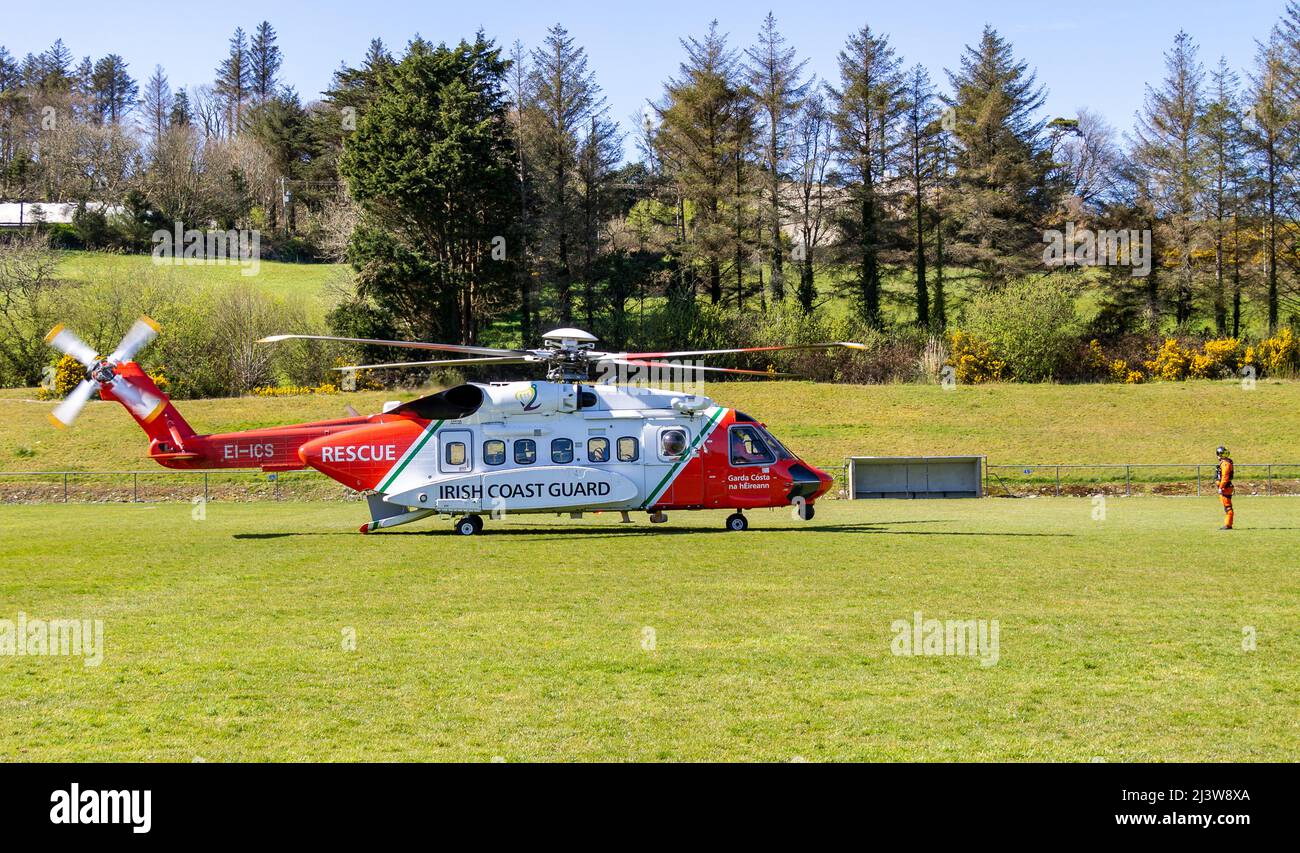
x: 66, y: 341
x: 144, y: 405
x: 66, y: 412
x: 142, y: 331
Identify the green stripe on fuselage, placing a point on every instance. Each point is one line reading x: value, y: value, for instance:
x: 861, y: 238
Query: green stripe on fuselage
x: 406, y: 460
x: 686, y: 457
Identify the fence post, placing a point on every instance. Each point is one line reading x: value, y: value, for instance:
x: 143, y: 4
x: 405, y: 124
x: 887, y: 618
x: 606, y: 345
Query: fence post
x: 135, y: 487
x: 65, y: 486
x: 1269, y: 488
x: 1198, y: 481
x: 1058, y: 481
x: 1128, y: 491
x: 205, y: 486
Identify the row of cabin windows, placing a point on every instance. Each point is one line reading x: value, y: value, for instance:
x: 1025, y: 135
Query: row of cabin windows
x: 525, y: 451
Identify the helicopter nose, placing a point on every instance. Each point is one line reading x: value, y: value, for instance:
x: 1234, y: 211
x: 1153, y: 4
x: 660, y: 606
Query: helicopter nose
x: 807, y: 482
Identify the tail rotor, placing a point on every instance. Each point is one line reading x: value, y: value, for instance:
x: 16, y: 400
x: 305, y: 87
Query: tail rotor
x: 101, y: 373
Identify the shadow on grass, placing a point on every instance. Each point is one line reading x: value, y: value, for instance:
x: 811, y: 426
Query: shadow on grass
x: 545, y: 532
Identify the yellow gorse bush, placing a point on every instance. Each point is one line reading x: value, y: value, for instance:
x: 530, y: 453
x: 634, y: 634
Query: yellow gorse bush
x: 975, y: 360
x: 1277, y: 355
x: 294, y: 390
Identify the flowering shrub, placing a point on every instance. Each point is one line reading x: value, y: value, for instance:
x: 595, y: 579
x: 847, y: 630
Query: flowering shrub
x: 294, y: 390
x: 1276, y: 356
x: 975, y: 360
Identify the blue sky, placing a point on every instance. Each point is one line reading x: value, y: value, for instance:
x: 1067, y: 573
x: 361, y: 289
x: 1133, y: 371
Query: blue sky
x: 1097, y: 54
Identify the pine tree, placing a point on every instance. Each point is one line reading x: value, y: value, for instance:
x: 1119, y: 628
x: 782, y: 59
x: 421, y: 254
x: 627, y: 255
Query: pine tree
x: 775, y: 77
x: 1169, y: 150
x: 156, y: 103
x: 1271, y: 136
x: 866, y: 108
x: 1003, y: 172
x: 562, y: 99
x: 1222, y: 132
x: 264, y: 60
x: 113, y: 92
x: 919, y: 168
x: 696, y: 142
x: 233, y: 82
x: 180, y: 111
x: 811, y: 154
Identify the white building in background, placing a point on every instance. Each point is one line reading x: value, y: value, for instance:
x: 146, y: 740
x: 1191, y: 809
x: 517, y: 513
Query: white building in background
x: 20, y: 214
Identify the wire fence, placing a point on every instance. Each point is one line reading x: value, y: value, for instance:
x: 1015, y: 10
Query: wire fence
x: 1192, y: 480
x: 1002, y: 480
x: 160, y: 485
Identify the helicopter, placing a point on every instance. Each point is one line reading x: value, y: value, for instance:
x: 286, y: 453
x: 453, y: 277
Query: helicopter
x: 584, y: 439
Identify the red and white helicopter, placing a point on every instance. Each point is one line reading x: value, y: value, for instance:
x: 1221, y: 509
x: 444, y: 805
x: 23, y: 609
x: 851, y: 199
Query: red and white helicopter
x: 578, y: 441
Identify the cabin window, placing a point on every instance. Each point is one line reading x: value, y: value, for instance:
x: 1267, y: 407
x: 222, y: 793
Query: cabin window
x: 494, y: 452
x: 562, y: 451
x: 672, y: 443
x: 455, y: 453
x: 748, y: 448
x: 525, y: 451
x: 598, y: 449
x: 629, y: 449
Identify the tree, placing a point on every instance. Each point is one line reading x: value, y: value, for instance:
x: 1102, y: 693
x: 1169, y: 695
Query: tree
x: 865, y: 109
x: 264, y: 59
x: 1270, y: 134
x: 113, y: 92
x: 563, y: 98
x: 811, y: 153
x: 1221, y: 129
x: 432, y: 165
x: 1169, y: 151
x: 920, y: 169
x: 775, y: 77
x: 1004, y: 182
x: 697, y: 142
x: 157, y: 102
x: 234, y: 81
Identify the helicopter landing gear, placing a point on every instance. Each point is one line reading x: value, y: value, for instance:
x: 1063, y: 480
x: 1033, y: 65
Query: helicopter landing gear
x: 737, y: 522
x: 470, y: 525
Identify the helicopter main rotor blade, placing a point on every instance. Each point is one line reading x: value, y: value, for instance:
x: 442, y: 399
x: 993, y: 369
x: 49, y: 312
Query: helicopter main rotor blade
x: 778, y: 348
x: 66, y: 412
x: 66, y: 341
x: 446, y: 362
x: 688, y: 367
x: 467, y: 350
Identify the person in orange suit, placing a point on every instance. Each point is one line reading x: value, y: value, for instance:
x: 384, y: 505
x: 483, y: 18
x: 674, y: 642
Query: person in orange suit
x: 1223, y: 478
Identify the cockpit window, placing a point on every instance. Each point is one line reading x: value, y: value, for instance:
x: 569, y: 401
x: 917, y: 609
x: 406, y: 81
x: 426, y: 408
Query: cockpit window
x: 748, y: 447
x: 777, y: 447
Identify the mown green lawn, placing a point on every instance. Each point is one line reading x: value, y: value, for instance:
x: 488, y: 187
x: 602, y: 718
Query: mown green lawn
x: 1174, y: 422
x: 309, y: 282
x: 550, y: 639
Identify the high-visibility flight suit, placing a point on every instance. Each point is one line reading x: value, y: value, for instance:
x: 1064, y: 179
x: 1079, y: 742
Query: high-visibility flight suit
x: 1224, y: 477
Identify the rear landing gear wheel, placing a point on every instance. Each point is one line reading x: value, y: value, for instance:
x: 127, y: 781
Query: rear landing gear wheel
x: 808, y: 512
x: 737, y: 522
x: 470, y: 525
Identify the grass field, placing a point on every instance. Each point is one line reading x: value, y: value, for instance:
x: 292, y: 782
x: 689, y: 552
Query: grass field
x: 1175, y: 422
x: 306, y: 281
x: 1119, y: 639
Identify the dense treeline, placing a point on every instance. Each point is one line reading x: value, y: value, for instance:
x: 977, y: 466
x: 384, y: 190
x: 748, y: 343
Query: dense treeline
x: 483, y: 195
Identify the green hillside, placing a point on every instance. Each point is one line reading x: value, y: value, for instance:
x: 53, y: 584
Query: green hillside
x: 1157, y: 423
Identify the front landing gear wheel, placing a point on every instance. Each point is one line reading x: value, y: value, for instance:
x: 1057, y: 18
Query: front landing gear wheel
x: 470, y: 525
x: 737, y: 522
